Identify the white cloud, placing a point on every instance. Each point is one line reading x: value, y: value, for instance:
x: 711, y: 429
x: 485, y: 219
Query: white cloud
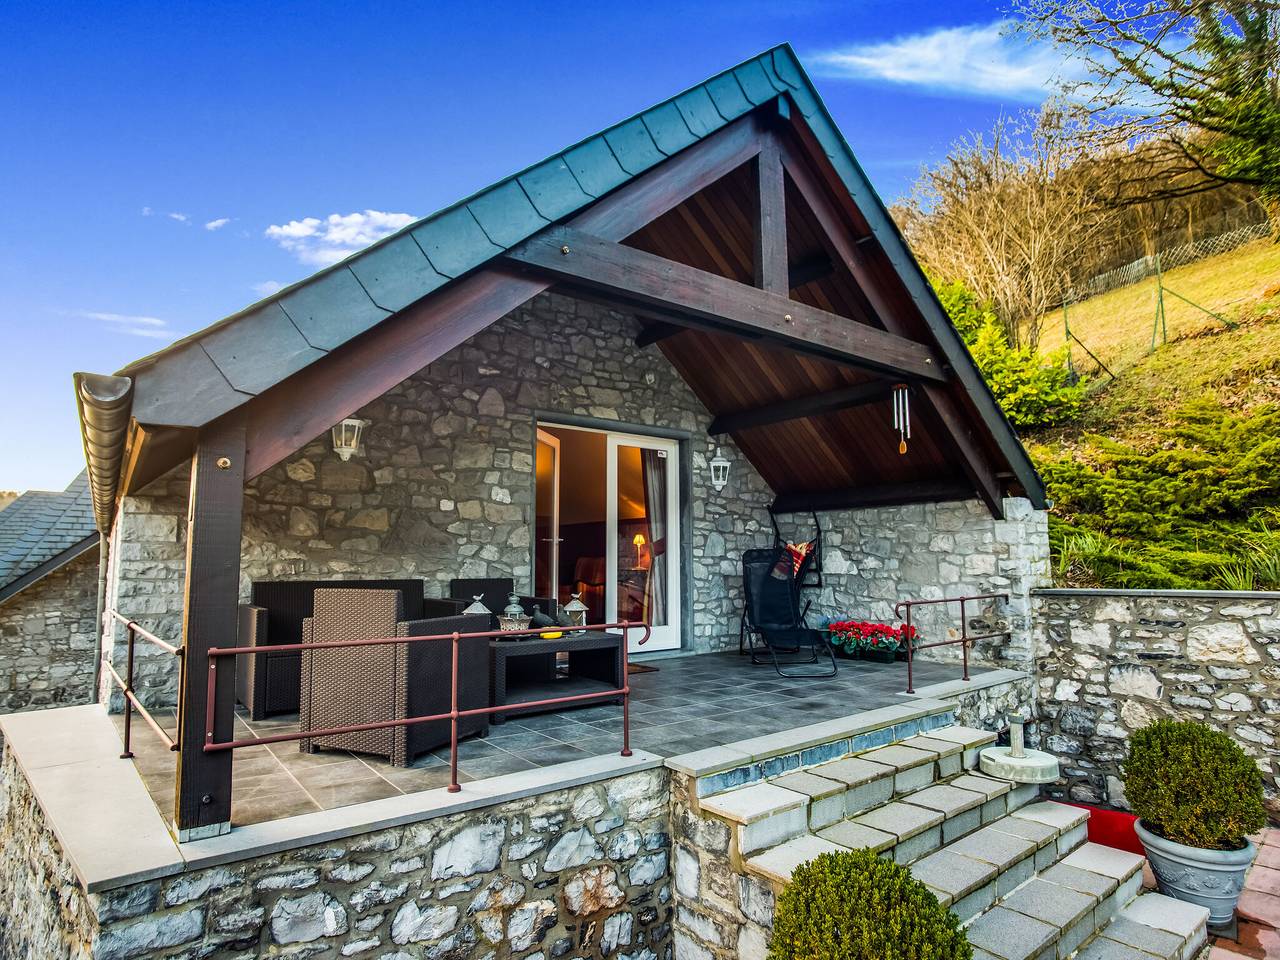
x: 180, y: 217
x: 267, y: 287
x: 135, y: 325
x: 981, y: 59
x: 319, y: 243
x: 147, y: 212
x: 217, y: 224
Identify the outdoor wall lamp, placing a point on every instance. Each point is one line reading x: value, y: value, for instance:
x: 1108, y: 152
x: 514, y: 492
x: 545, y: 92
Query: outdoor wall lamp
x: 346, y: 437
x: 719, y: 470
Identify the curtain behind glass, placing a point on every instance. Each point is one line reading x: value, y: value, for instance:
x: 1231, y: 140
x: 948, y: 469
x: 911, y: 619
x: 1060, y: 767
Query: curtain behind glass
x: 654, y: 467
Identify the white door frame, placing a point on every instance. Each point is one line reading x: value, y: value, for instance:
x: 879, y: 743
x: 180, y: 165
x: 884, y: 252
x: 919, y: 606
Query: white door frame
x: 666, y: 636
x: 553, y: 442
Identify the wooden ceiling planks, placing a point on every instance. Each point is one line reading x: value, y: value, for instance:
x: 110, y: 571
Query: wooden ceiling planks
x: 855, y: 447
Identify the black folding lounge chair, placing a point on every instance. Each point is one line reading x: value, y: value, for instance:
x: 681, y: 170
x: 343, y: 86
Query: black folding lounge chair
x: 773, y: 625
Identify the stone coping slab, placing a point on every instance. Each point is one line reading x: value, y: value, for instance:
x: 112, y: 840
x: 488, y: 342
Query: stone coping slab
x: 702, y: 763
x: 959, y: 686
x: 808, y: 783
x: 853, y: 771
x: 273, y: 836
x: 749, y: 804
x: 1157, y: 594
x: 94, y: 802
x: 112, y: 834
x: 965, y: 736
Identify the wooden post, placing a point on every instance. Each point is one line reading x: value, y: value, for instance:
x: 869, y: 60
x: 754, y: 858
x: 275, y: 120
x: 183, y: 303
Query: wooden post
x: 203, y: 802
x: 771, y: 221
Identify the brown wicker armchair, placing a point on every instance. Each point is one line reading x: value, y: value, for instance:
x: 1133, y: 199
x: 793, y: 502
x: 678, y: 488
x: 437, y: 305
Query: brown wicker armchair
x: 352, y: 685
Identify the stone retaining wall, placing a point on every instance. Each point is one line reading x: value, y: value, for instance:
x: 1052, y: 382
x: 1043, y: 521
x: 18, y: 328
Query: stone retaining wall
x: 1111, y: 662
x: 44, y: 912
x: 47, y: 639
x: 581, y: 872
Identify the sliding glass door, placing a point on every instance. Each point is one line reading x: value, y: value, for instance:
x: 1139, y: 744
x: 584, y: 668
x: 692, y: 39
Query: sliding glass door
x: 643, y: 535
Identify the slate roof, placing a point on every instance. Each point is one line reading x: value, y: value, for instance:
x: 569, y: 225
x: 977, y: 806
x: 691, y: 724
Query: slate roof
x: 221, y: 367
x: 41, y: 531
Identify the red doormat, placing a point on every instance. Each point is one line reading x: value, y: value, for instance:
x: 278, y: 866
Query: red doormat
x: 640, y: 668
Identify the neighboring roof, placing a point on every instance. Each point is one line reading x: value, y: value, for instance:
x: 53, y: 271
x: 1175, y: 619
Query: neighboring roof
x: 200, y: 378
x: 41, y: 531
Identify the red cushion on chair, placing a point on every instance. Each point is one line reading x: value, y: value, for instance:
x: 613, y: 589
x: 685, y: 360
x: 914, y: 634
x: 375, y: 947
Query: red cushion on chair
x: 797, y: 552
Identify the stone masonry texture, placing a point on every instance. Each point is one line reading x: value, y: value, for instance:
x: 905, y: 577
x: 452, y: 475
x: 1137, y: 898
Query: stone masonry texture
x: 1111, y: 663
x: 444, y: 487
x: 582, y: 872
x: 46, y: 639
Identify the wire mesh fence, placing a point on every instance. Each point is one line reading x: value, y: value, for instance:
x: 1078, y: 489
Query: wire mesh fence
x: 1145, y: 267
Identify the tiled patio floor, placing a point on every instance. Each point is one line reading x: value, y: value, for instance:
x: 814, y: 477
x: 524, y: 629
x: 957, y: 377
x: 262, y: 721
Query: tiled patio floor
x: 688, y: 704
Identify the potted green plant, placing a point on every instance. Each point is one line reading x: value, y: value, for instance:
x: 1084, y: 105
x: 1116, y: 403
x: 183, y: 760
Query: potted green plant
x: 852, y: 905
x: 1197, y: 795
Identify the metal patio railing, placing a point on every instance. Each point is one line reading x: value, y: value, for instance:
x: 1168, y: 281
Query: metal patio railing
x: 125, y: 683
x: 454, y: 714
x: 964, y: 639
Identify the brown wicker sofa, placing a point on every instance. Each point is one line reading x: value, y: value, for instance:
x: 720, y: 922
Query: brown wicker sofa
x: 267, y: 683
x: 345, y: 686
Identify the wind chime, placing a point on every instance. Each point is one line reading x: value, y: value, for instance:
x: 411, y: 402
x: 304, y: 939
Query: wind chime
x: 902, y: 415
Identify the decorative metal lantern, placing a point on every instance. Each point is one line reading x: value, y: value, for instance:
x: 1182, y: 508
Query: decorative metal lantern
x: 478, y: 607
x: 719, y: 470
x: 346, y: 437
x: 576, y: 611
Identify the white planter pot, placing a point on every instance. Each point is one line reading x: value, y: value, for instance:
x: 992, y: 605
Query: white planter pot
x: 1211, y: 878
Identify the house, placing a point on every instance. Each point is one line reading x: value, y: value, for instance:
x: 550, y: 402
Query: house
x: 48, y: 598
x: 608, y: 376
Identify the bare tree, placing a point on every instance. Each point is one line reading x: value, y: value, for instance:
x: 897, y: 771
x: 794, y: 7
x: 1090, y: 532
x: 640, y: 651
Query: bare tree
x: 1011, y: 216
x: 1202, y: 77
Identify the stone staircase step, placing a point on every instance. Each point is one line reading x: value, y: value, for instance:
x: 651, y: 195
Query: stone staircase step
x: 912, y: 768
x: 857, y: 836
x: 961, y: 808
x: 1158, y: 912
x: 917, y: 830
x: 949, y: 760
x: 995, y: 792
x: 764, y: 814
x: 1062, y: 908
x: 826, y: 797
x: 867, y: 784
x: 778, y: 863
x: 971, y: 740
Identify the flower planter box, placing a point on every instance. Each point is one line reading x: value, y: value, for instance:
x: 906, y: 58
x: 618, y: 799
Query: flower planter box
x: 878, y: 655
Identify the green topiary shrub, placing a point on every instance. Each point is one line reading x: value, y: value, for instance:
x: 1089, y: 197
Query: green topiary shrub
x: 1193, y: 785
x: 854, y: 906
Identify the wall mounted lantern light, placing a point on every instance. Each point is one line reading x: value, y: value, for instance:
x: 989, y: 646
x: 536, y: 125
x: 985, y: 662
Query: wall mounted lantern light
x: 346, y: 437
x: 719, y: 470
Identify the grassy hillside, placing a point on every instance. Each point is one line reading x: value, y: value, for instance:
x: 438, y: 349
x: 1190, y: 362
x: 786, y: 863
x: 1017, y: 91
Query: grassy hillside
x: 1171, y: 476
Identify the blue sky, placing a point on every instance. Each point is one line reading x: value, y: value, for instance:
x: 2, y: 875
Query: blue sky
x: 165, y: 164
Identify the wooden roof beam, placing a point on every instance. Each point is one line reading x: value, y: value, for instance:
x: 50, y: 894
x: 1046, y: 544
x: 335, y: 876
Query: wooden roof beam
x: 635, y: 275
x: 657, y: 330
x: 879, y: 495
x: 857, y: 395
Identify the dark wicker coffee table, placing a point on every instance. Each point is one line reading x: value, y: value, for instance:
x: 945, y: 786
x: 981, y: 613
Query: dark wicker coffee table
x: 526, y: 670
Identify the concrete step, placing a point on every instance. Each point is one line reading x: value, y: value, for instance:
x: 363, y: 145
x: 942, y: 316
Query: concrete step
x: 1051, y: 914
x: 762, y: 815
x: 1153, y: 925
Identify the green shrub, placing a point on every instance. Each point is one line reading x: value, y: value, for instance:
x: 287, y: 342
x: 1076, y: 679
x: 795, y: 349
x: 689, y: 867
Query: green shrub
x: 854, y: 906
x: 1193, y: 785
x: 1186, y: 508
x: 1033, y: 390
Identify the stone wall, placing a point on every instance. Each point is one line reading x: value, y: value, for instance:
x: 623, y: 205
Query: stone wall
x: 874, y: 558
x: 582, y: 872
x: 1112, y: 662
x: 721, y: 913
x: 47, y: 639
x: 44, y: 912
